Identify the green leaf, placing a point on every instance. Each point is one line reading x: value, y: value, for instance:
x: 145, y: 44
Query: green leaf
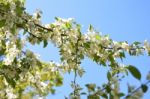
x: 91, y: 87
x: 108, y: 89
x: 45, y: 43
x: 2, y: 51
x: 136, y: 43
x: 93, y: 97
x: 134, y: 71
x: 11, y: 81
x: 59, y: 81
x: 121, y: 94
x: 122, y: 55
x: 53, y: 91
x: 81, y: 72
x: 2, y: 23
x: 83, y: 93
x: 87, y: 45
x: 111, y: 58
x: 19, y: 10
x: 102, y: 62
x: 56, y: 18
x: 1, y: 64
x: 108, y: 76
x: 144, y: 88
x: 68, y: 25
x: 90, y: 27
x: 104, y: 95
x: 97, y: 37
x: 96, y: 58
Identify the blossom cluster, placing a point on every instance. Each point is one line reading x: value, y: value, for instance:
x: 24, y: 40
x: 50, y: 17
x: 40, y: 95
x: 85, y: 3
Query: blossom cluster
x: 20, y: 68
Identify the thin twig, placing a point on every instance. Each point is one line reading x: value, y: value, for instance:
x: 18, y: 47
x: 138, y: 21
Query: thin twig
x: 40, y: 26
x: 51, y: 30
x: 75, y: 68
x: 26, y: 21
x: 120, y: 48
x: 136, y: 90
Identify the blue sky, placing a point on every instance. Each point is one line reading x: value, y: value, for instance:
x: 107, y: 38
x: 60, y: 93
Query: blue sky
x: 123, y: 20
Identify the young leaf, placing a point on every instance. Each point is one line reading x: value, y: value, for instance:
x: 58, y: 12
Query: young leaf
x: 83, y: 93
x: 91, y: 87
x: 121, y: 94
x: 2, y: 23
x: 108, y: 88
x: 109, y: 76
x: 45, y: 43
x: 104, y: 95
x: 93, y: 97
x: 56, y: 18
x: 90, y: 27
x: 136, y: 43
x: 122, y: 55
x: 134, y: 71
x: 144, y: 88
x: 97, y: 37
x: 68, y: 25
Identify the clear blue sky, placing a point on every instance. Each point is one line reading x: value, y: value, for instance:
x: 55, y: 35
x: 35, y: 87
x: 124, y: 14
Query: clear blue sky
x: 123, y: 20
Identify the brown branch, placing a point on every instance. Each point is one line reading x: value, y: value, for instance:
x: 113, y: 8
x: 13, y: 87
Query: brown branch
x: 51, y: 30
x: 26, y: 21
x: 120, y: 48
x: 48, y: 29
x: 136, y: 90
x: 40, y: 26
x: 20, y: 26
x: 75, y: 68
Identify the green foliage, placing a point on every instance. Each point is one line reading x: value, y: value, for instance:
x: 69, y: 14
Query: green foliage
x: 45, y: 43
x: 2, y: 23
x: 22, y: 69
x: 134, y: 71
x: 144, y: 88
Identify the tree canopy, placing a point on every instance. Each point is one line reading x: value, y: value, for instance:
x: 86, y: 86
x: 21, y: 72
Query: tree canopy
x: 24, y: 75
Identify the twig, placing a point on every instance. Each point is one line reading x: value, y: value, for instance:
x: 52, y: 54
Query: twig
x: 26, y: 21
x: 75, y: 68
x: 137, y: 89
x: 120, y: 48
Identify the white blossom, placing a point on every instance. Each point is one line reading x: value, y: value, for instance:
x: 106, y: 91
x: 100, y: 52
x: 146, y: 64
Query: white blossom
x: 147, y: 45
x: 116, y: 44
x: 10, y: 94
x: 42, y: 84
x: 125, y: 46
x: 12, y: 52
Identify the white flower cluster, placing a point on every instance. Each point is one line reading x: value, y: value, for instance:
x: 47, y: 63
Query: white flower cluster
x: 10, y: 94
x: 11, y: 53
x: 147, y: 46
x: 66, y: 35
